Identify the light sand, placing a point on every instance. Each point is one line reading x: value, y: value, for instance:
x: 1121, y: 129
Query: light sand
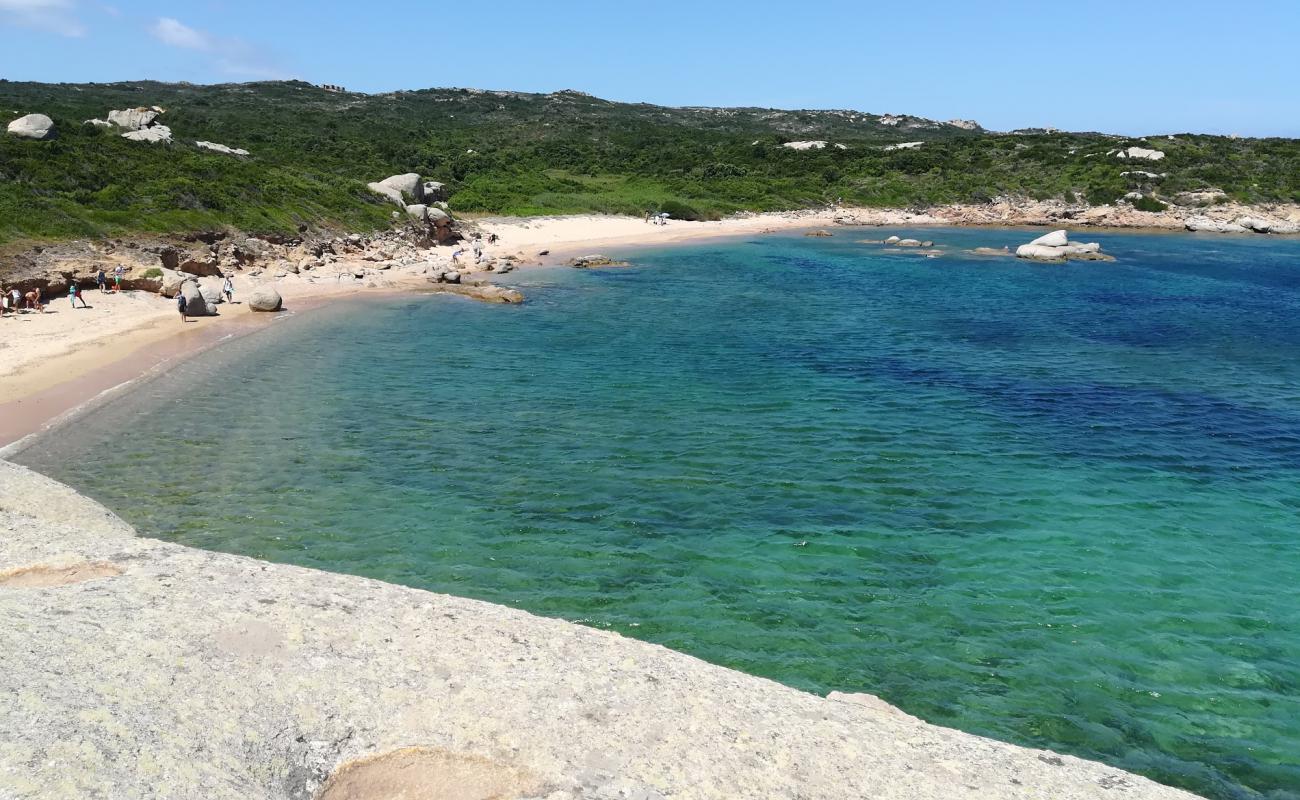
x: 592, y: 233
x: 41, y: 352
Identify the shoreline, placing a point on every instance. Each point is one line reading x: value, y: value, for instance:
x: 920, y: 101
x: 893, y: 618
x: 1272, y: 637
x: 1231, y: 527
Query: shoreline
x: 80, y: 363
x: 256, y: 625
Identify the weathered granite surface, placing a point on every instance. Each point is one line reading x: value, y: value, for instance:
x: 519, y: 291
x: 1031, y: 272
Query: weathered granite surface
x: 133, y: 668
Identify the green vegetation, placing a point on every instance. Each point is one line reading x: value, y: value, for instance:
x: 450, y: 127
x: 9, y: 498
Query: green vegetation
x: 313, y: 151
x: 1149, y: 204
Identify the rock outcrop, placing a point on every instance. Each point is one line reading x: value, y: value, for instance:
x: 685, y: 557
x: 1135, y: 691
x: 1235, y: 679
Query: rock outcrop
x: 1056, y: 247
x: 587, y: 262
x: 156, y: 135
x: 816, y: 145
x: 1141, y: 153
x: 133, y: 119
x: 400, y: 189
x: 265, y: 298
x: 137, y: 668
x: 221, y: 148
x: 33, y: 126
x: 485, y: 292
x: 196, y: 305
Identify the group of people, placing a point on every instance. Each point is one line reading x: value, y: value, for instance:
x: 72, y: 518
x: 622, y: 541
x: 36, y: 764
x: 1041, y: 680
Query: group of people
x: 477, y: 245
x: 12, y: 300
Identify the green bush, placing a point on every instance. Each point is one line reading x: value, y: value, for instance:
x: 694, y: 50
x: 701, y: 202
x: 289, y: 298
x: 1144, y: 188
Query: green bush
x: 1147, y: 203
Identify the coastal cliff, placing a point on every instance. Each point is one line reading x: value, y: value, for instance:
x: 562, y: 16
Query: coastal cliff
x: 130, y: 667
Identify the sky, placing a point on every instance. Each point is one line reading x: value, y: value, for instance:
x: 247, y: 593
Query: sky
x: 1138, y: 67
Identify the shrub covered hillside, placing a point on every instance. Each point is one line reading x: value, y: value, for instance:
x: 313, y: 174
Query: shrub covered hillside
x: 312, y: 151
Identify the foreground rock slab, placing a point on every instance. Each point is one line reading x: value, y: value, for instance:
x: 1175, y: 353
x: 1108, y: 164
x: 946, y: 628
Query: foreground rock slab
x: 141, y: 669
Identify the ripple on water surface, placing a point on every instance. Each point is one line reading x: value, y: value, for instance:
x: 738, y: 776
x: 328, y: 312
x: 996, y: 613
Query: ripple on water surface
x: 1056, y: 505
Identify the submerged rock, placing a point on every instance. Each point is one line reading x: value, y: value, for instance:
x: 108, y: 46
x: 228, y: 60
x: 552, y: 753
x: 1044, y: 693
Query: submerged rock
x: 587, y: 262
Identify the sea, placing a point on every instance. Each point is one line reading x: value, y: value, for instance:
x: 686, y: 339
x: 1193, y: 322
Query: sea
x: 1058, y: 505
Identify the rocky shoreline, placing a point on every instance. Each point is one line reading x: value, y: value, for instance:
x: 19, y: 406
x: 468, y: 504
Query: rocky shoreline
x: 130, y: 667
x: 1204, y: 213
x: 421, y: 242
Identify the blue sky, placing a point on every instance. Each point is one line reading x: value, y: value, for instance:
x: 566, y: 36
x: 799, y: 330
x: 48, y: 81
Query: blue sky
x: 1127, y: 67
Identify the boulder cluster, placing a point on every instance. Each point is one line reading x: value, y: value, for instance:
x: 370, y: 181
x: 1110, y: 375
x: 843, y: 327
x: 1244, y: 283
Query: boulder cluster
x: 1244, y: 224
x: 422, y: 201
x: 1056, y: 247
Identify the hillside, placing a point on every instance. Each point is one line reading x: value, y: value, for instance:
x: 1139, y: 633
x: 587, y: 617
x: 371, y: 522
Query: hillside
x: 313, y: 150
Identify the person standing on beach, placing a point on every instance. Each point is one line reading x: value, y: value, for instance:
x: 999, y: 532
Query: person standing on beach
x: 74, y: 294
x: 181, y: 304
x: 118, y: 271
x: 101, y: 280
x: 228, y: 289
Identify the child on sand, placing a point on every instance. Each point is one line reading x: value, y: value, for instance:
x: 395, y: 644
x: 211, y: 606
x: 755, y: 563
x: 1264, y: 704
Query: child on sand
x: 228, y: 289
x: 74, y: 294
x: 101, y: 280
x: 181, y: 303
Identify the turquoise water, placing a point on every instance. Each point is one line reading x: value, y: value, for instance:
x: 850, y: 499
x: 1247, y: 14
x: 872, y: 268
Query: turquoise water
x: 1058, y: 505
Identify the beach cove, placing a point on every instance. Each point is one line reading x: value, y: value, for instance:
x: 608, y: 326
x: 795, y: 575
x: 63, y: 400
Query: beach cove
x: 478, y: 349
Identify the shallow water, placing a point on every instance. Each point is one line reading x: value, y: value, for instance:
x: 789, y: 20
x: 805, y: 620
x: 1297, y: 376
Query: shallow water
x: 1057, y: 505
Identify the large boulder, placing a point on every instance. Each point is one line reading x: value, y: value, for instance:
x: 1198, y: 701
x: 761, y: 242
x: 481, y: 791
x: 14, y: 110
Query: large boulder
x: 433, y: 192
x: 1053, y: 239
x: 1207, y: 225
x: 196, y: 305
x: 1262, y: 225
x: 204, y: 266
x: 33, y: 126
x: 1040, y: 252
x: 265, y: 298
x: 133, y: 119
x: 418, y: 212
x: 400, y: 189
x: 156, y: 134
x: 1056, y: 247
x: 172, y: 282
x: 1141, y: 153
x: 211, y: 293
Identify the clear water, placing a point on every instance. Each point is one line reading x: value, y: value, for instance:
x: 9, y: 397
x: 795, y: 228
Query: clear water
x: 1058, y: 505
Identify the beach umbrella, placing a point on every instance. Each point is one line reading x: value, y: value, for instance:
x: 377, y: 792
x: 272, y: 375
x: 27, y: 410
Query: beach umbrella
x: 664, y: 214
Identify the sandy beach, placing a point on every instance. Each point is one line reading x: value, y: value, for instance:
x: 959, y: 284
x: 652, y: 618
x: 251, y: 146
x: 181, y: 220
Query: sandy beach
x: 55, y: 360
x: 51, y: 361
